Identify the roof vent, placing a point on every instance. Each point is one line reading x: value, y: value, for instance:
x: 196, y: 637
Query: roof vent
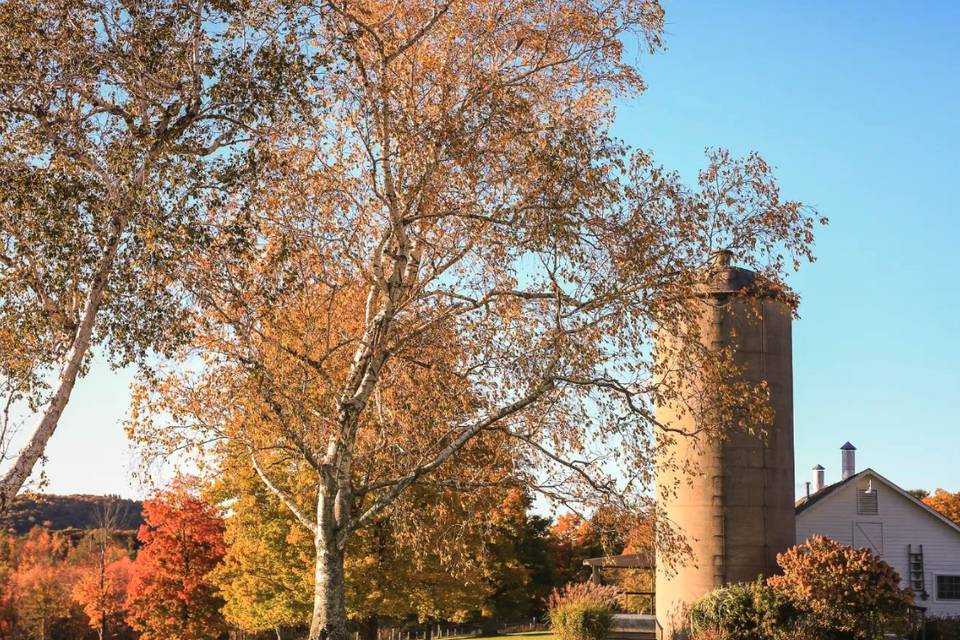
x: 818, y: 482
x: 848, y: 460
x: 723, y: 258
x: 867, y: 501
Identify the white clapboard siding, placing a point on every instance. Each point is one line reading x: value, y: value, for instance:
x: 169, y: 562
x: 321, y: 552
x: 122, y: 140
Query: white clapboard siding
x: 900, y: 521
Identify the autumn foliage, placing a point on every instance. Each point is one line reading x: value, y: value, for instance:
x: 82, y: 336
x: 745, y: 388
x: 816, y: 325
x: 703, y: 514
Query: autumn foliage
x: 946, y: 503
x: 500, y: 564
x: 7, y: 608
x: 77, y: 585
x: 101, y: 590
x: 41, y: 583
x: 385, y: 260
x: 828, y: 591
x: 573, y: 538
x: 851, y: 592
x: 170, y: 595
x: 455, y: 265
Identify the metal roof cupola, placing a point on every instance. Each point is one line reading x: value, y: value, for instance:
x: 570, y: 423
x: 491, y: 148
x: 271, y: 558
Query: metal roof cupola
x: 848, y: 460
x: 818, y: 480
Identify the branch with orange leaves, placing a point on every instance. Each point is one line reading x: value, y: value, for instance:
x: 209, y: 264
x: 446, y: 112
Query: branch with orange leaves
x: 396, y: 486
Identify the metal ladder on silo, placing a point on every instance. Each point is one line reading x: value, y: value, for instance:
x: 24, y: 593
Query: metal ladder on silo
x: 916, y: 571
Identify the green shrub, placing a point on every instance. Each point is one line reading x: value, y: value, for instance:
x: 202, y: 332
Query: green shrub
x: 746, y: 611
x: 581, y: 621
x: 943, y: 628
x: 583, y: 611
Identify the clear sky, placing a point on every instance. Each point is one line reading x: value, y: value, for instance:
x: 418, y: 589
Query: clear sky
x: 857, y: 104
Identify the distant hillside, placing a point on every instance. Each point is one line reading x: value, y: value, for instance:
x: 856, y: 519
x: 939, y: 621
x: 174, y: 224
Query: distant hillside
x: 74, y: 512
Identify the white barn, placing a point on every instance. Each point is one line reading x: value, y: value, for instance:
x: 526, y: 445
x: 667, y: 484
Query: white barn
x: 866, y: 510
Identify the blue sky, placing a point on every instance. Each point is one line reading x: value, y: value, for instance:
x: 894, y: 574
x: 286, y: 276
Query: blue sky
x: 857, y: 104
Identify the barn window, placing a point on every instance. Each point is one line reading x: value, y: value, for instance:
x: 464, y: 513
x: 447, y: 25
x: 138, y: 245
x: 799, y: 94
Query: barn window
x: 867, y: 501
x: 948, y: 587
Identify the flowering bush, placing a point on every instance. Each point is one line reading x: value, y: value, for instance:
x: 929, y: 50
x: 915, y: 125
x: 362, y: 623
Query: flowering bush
x: 583, y: 611
x: 579, y: 592
x: 845, y: 593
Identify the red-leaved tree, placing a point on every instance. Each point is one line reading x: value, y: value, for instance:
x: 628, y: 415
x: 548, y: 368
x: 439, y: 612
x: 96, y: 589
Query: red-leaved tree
x: 101, y: 591
x: 170, y: 596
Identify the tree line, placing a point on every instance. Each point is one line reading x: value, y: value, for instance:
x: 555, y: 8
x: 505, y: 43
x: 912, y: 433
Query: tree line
x: 199, y: 570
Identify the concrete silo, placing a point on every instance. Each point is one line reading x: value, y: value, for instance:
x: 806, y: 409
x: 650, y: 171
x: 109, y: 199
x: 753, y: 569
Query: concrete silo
x: 737, y: 512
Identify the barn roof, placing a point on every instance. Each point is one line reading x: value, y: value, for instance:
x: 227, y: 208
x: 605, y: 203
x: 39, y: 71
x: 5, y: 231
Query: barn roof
x: 806, y: 502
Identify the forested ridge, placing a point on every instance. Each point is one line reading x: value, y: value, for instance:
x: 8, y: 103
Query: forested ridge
x: 68, y: 512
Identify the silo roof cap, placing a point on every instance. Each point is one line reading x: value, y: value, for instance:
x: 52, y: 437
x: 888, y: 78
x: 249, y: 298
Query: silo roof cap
x: 848, y: 447
x: 726, y: 278
x: 818, y: 468
x: 722, y: 280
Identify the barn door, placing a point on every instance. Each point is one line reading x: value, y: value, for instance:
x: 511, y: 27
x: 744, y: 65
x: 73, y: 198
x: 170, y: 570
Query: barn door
x: 868, y: 535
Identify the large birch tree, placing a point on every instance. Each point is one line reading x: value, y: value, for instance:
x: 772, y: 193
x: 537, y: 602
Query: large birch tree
x: 461, y: 216
x: 120, y: 121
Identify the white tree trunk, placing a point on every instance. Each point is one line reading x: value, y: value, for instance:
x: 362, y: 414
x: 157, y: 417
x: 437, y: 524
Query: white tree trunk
x: 329, y: 606
x: 28, y: 456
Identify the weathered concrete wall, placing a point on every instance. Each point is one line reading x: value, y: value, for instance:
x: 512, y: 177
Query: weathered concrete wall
x: 738, y: 512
